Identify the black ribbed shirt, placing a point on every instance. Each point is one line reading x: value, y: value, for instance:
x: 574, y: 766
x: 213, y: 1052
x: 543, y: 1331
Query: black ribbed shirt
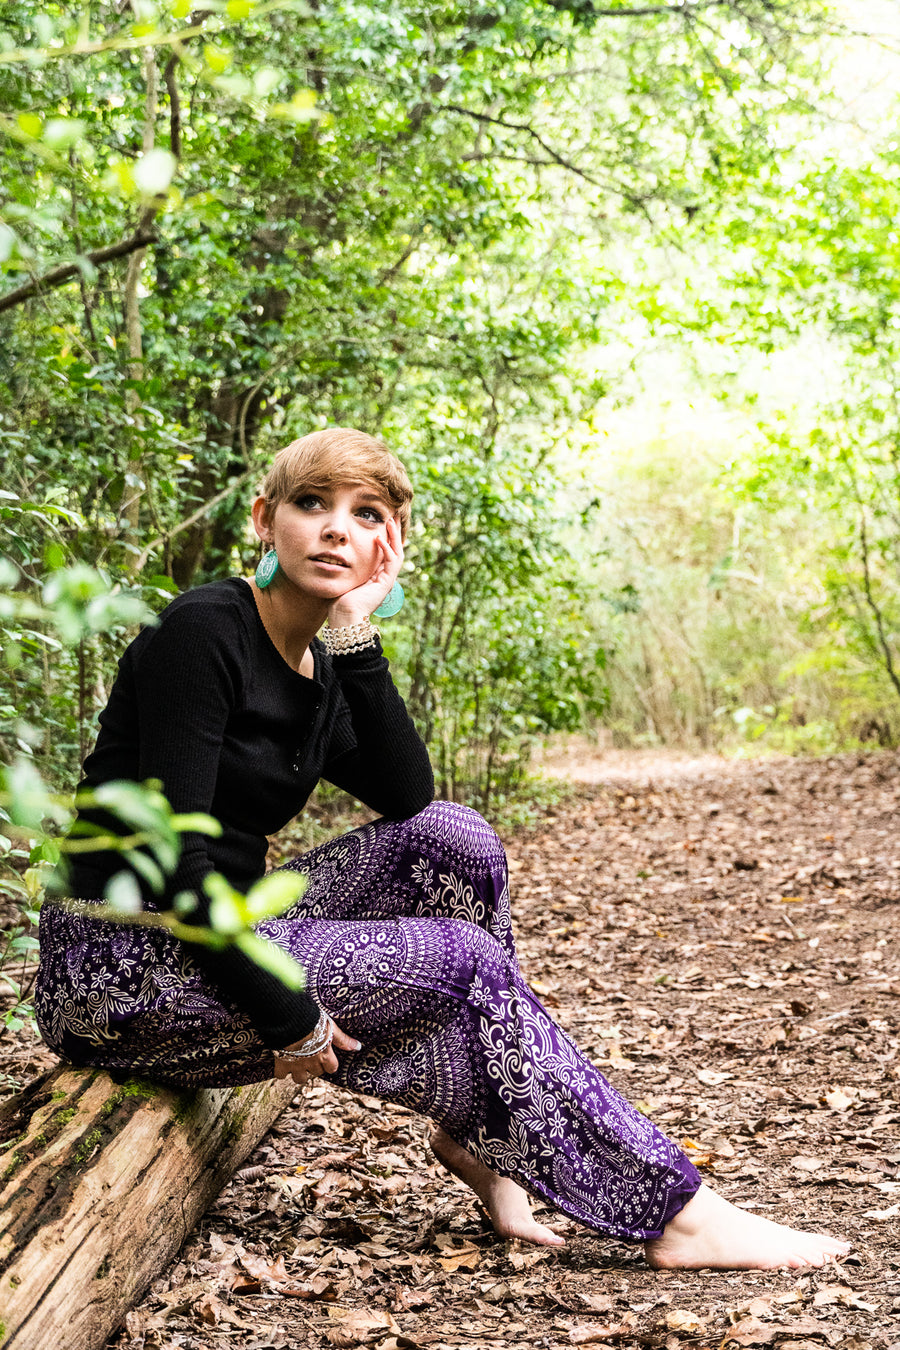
x: 205, y: 702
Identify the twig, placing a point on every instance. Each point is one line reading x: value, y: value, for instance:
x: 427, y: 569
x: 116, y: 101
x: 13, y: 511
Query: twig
x: 193, y: 518
x: 875, y: 608
x: 58, y: 275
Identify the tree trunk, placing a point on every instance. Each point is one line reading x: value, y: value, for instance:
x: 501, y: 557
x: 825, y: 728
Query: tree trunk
x: 100, y: 1184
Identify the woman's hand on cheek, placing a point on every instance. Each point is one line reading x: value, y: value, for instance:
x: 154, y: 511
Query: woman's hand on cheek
x: 363, y: 600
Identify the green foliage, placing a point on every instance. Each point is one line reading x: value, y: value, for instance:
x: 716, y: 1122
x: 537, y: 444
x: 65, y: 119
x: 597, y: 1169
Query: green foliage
x: 403, y: 220
x: 829, y: 256
x: 151, y: 844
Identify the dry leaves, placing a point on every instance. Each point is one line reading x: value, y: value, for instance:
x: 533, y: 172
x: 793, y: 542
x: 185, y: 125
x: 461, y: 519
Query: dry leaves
x: 840, y: 1099
x: 591, y: 1334
x: 356, y: 1326
x: 679, y: 1319
x: 753, y: 1331
x: 671, y: 963
x: 463, y: 1256
x: 841, y: 1294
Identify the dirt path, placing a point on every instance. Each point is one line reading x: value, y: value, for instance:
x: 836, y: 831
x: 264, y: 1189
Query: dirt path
x: 721, y: 937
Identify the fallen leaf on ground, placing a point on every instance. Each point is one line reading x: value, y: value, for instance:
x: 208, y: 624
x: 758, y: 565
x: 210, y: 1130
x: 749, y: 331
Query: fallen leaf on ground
x: 680, y: 1319
x: 839, y: 1099
x: 463, y: 1258
x: 319, y: 1287
x: 212, y: 1311
x: 712, y: 1077
x: 531, y: 1256
x: 843, y: 1295
x: 805, y: 1164
x: 209, y: 1309
x: 588, y: 1334
x: 833, y: 1293
x: 356, y: 1325
x: 758, y: 1306
x: 596, y: 1302
x: 262, y: 1269
x: 750, y: 1331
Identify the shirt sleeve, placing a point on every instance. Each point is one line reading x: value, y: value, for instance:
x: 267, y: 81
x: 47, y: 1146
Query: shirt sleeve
x: 376, y: 754
x: 188, y: 679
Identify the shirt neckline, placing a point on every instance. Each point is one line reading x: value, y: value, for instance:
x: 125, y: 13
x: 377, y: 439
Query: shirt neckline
x: 315, y: 679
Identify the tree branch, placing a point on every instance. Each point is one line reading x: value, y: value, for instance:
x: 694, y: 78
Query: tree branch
x: 57, y: 276
x: 555, y: 156
x: 875, y: 608
x: 648, y: 11
x: 193, y: 518
x: 635, y: 199
x: 174, y: 106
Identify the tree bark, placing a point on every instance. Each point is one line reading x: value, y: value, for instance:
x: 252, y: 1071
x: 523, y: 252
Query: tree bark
x: 100, y: 1184
x: 133, y: 327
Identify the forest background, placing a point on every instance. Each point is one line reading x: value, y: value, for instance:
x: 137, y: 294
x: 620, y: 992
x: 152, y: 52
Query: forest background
x: 617, y: 281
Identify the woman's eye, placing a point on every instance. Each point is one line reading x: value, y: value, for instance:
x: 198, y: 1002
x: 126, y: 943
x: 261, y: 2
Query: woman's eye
x: 371, y: 513
x: 308, y: 502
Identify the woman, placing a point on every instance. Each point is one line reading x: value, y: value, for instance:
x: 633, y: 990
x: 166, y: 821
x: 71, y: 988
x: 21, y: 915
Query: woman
x: 238, y: 707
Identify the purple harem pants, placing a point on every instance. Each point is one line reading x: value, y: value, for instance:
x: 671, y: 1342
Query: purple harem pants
x: 404, y: 934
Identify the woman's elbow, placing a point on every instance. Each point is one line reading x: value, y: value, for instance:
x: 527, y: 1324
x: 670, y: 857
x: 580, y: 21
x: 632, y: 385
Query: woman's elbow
x: 406, y: 804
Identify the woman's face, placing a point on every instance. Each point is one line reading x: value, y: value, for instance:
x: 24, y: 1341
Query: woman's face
x: 327, y: 538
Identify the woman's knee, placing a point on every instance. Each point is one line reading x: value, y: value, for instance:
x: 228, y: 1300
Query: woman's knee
x: 463, y: 830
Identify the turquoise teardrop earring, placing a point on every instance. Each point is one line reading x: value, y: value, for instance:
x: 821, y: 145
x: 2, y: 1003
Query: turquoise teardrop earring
x: 267, y: 570
x: 391, y: 604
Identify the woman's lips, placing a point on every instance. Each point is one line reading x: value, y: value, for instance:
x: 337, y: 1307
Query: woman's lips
x: 328, y: 560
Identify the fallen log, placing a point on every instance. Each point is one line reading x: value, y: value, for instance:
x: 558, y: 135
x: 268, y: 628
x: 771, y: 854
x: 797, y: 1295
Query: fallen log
x: 100, y: 1183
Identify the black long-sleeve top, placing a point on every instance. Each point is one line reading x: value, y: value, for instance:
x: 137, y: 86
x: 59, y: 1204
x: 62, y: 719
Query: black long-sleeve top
x: 206, y: 703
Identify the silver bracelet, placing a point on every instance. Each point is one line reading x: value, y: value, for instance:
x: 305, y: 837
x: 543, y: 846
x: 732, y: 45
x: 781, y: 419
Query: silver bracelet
x: 318, y: 1040
x: 355, y: 637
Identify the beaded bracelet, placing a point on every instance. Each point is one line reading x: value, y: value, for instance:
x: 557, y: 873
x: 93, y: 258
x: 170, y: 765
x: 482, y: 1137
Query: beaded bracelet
x: 355, y: 637
x: 318, y: 1040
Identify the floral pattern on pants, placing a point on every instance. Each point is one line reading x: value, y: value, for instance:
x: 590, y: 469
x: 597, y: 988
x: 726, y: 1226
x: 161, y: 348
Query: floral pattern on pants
x: 404, y: 933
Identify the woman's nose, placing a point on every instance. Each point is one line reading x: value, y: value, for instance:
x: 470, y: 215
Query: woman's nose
x: 335, y: 527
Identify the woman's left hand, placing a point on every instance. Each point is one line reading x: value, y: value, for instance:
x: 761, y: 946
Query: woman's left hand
x: 359, y: 603
x: 313, y: 1066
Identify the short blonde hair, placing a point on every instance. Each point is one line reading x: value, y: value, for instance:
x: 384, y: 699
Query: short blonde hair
x: 338, y: 455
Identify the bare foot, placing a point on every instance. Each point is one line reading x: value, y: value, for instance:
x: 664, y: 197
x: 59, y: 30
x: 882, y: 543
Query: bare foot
x: 505, y: 1201
x: 710, y: 1231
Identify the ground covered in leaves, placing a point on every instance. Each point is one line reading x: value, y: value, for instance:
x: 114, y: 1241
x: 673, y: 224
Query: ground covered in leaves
x: 720, y: 937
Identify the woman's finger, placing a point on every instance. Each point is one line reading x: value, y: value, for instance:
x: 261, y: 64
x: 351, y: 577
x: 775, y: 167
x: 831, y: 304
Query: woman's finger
x: 392, y: 559
x: 395, y: 537
x: 286, y: 1068
x: 343, y: 1041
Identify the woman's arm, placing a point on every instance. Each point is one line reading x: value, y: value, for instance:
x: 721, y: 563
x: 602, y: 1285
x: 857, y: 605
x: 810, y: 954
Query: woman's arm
x: 376, y: 754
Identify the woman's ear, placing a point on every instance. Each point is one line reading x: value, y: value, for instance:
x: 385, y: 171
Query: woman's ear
x: 262, y: 519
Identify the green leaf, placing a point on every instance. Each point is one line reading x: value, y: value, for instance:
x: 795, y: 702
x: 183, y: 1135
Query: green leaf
x: 275, y: 893
x: 26, y: 796
x: 226, y: 906
x: 273, y: 959
x: 124, y: 893
x: 217, y: 58
x: 61, y: 132
x: 31, y: 124
x: 196, y: 822
x: 154, y: 171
